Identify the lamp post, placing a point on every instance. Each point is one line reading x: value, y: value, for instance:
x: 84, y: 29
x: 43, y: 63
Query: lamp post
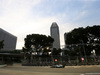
x: 84, y: 51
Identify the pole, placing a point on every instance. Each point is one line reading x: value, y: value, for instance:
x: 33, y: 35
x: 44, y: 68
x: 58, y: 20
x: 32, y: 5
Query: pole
x: 84, y: 51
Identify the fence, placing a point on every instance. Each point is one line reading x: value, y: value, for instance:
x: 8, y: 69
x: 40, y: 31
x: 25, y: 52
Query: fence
x: 66, y: 60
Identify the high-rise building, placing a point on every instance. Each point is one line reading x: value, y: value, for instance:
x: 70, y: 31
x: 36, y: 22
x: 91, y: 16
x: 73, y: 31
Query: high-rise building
x: 9, y: 40
x: 54, y: 30
x: 65, y: 35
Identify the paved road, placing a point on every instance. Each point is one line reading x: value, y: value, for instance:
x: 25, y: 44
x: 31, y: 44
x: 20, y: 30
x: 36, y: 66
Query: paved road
x: 68, y: 70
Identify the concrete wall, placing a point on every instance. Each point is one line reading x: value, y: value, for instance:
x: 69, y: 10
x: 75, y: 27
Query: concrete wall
x: 9, y: 40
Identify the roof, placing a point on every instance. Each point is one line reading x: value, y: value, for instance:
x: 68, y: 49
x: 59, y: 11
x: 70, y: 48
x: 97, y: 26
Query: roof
x: 54, y: 24
x: 3, y: 31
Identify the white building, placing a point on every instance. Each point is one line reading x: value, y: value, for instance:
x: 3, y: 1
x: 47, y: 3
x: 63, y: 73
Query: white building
x: 9, y: 40
x: 54, y: 30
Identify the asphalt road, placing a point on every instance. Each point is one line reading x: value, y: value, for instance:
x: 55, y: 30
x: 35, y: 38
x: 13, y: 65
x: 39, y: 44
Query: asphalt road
x: 35, y: 70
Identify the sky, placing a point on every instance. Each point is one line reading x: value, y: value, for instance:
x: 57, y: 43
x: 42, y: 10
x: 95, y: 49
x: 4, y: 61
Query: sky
x: 24, y: 17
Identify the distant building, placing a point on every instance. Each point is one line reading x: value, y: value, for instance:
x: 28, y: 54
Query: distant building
x: 65, y: 35
x: 54, y: 30
x: 9, y: 40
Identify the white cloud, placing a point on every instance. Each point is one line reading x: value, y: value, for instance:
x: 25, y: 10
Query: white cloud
x: 81, y: 15
x: 15, y: 17
x: 40, y: 26
x: 20, y: 24
x: 19, y: 19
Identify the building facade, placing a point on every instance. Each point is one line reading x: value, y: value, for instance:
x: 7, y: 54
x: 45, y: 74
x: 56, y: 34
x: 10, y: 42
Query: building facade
x: 9, y: 40
x: 54, y: 31
x: 65, y: 35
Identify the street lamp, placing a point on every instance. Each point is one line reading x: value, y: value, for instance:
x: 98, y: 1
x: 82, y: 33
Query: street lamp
x: 84, y: 50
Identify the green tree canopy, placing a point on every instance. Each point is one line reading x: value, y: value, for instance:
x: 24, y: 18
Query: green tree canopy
x: 56, y: 52
x: 90, y: 36
x: 37, y: 42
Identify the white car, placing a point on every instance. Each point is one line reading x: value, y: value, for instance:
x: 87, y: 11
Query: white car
x: 58, y: 66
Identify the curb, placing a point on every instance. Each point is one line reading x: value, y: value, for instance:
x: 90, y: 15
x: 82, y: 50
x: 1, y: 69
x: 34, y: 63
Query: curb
x: 2, y: 66
x: 82, y: 66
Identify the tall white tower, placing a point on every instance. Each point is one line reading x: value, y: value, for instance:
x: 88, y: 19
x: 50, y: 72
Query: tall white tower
x: 54, y: 30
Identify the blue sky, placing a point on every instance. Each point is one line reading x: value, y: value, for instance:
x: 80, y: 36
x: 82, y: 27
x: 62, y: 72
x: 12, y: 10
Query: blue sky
x: 23, y: 17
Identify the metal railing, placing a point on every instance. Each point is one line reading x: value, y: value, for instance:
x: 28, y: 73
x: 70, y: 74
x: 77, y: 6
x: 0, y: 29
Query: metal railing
x: 66, y: 60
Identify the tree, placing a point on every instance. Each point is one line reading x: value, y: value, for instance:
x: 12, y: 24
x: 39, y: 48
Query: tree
x: 88, y: 37
x: 1, y: 44
x: 56, y: 52
x: 36, y: 42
